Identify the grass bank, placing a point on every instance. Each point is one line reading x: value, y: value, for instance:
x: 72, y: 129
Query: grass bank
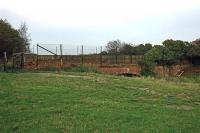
x: 92, y: 102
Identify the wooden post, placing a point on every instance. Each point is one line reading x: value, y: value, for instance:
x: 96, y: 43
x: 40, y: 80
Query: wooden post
x: 116, y: 55
x: 5, y: 61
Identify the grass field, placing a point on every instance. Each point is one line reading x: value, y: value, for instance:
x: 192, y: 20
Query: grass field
x: 88, y: 102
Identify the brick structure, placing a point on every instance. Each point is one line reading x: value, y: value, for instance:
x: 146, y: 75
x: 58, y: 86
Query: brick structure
x: 104, y: 63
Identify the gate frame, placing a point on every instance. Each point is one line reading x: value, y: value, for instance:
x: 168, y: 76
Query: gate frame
x: 55, y: 54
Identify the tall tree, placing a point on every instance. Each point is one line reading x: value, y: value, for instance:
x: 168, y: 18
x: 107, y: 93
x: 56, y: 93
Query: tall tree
x: 177, y: 47
x: 113, y: 46
x: 10, y: 40
x: 23, y: 32
x: 127, y: 49
x: 194, y: 49
x: 141, y: 49
x: 148, y: 46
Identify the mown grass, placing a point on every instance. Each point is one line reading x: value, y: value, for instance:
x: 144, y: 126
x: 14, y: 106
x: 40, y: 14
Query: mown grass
x: 91, y: 102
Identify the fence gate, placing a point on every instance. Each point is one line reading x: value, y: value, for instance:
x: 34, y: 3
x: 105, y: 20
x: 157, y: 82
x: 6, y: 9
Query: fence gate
x: 48, y: 61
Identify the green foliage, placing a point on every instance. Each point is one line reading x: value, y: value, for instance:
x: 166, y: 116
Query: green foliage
x: 194, y: 49
x: 142, y: 49
x: 1, y: 67
x: 10, y: 39
x: 154, y: 54
x: 192, y: 78
x: 177, y: 48
x: 127, y: 48
x: 167, y: 54
x: 9, y: 67
x: 150, y: 59
x: 146, y: 68
x: 104, y: 53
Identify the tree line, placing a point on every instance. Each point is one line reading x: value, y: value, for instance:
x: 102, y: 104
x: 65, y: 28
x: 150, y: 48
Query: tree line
x: 171, y: 48
x: 169, y: 53
x: 116, y: 46
x: 13, y: 40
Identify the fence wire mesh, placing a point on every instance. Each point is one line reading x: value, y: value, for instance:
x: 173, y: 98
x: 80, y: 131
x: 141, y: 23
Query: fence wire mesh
x: 67, y: 49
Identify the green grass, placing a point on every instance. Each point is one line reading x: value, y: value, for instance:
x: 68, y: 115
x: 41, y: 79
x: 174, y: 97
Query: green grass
x: 91, y: 102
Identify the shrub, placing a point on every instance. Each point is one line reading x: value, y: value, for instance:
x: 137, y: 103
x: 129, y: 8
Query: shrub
x: 147, y: 68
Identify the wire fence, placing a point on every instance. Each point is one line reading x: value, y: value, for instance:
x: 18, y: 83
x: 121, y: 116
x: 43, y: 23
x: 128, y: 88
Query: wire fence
x: 56, y: 55
x: 82, y: 55
x: 67, y: 49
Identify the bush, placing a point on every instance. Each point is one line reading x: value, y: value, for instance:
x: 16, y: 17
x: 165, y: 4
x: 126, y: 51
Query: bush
x: 9, y: 67
x: 147, y: 68
x: 1, y: 68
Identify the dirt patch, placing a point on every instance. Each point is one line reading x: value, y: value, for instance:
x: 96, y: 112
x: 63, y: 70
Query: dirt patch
x: 141, y: 98
x: 197, y: 103
x: 181, y: 107
x: 98, y: 79
x: 128, y: 69
x: 62, y: 75
x: 153, y: 92
x: 148, y: 91
x: 183, y: 96
x: 144, y: 89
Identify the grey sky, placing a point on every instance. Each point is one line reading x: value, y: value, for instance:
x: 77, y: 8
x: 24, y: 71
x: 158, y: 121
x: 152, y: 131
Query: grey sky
x: 95, y: 23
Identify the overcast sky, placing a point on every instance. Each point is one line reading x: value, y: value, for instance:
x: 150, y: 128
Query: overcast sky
x: 95, y: 22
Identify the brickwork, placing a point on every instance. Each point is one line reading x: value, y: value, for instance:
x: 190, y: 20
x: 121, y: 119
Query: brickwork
x: 107, y: 64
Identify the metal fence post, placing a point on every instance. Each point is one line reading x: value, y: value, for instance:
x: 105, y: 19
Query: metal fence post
x: 82, y: 54
x: 116, y: 56
x: 37, y: 57
x: 61, y: 56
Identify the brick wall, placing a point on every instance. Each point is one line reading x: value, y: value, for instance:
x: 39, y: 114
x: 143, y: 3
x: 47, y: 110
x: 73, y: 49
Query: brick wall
x: 125, y: 64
